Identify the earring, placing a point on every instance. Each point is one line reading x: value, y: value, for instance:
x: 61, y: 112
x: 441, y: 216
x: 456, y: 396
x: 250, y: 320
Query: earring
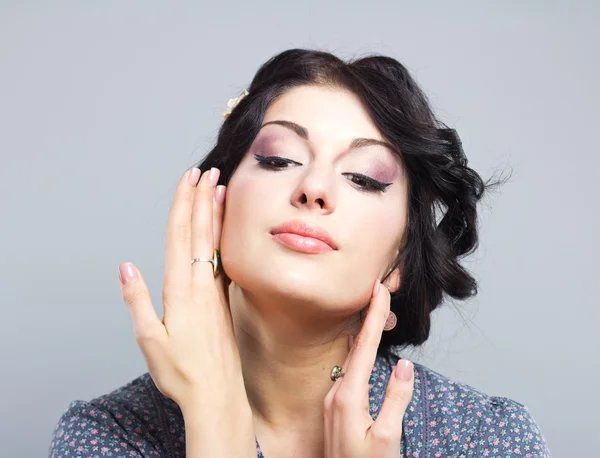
x: 391, y: 321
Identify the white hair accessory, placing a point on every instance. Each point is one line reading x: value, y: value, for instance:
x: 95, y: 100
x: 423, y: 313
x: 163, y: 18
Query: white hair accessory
x: 232, y: 103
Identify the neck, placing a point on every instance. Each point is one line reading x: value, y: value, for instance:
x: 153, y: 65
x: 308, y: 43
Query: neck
x: 287, y: 359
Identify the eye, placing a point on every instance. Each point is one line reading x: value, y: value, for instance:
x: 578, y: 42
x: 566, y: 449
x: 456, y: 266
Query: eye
x: 366, y: 183
x: 274, y: 162
x: 363, y: 182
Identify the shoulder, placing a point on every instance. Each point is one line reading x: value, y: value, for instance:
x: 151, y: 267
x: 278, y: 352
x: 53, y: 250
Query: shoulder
x: 132, y: 420
x: 464, y: 420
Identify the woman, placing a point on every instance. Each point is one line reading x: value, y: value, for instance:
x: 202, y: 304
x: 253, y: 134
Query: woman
x: 342, y: 211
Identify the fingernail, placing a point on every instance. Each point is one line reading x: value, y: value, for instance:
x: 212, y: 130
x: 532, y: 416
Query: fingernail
x: 193, y: 176
x: 220, y: 194
x: 350, y: 341
x: 376, y: 287
x: 213, y: 176
x: 404, y: 370
x: 127, y: 273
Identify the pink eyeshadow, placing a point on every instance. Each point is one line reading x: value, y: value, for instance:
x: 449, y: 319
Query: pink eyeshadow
x: 379, y: 169
x: 383, y: 171
x: 265, y: 145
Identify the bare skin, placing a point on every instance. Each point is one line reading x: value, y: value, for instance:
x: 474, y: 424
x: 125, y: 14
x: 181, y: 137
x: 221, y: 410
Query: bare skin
x: 264, y: 337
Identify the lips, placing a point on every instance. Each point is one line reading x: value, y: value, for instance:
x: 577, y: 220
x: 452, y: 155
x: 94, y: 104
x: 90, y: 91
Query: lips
x: 301, y: 236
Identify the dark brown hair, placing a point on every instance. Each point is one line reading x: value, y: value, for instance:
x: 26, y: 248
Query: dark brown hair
x: 443, y: 190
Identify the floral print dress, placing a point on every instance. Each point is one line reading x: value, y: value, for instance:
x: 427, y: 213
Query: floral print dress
x: 444, y: 419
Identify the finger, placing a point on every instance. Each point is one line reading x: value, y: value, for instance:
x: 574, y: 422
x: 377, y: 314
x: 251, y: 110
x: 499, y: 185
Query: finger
x: 338, y: 382
x: 351, y: 406
x: 146, y: 324
x: 202, y: 228
x: 218, y: 210
x: 397, y: 398
x: 364, y: 351
x: 351, y: 351
x: 179, y: 232
x: 218, y: 213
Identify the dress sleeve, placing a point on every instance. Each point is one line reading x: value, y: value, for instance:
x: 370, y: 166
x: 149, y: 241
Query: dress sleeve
x: 508, y: 429
x: 87, y: 430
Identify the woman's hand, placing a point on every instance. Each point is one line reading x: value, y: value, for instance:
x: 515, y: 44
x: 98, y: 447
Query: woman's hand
x: 350, y: 432
x: 192, y: 354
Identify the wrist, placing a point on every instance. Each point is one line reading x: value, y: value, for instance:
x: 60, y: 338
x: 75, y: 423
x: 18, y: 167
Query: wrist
x: 226, y: 430
x: 197, y: 402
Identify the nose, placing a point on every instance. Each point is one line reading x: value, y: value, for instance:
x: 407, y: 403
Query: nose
x: 315, y: 190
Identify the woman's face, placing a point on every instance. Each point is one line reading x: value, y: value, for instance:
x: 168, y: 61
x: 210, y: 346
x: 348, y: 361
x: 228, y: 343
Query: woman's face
x: 320, y: 181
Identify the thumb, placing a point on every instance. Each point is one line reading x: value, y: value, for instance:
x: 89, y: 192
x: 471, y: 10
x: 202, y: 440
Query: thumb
x: 146, y: 323
x: 397, y: 398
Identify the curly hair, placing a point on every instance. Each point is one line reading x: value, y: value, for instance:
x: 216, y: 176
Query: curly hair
x: 443, y: 190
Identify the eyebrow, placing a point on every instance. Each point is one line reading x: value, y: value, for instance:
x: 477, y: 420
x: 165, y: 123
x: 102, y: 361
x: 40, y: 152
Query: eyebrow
x: 356, y: 143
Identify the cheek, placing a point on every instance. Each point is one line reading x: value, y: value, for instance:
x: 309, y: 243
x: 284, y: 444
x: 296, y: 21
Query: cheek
x: 251, y: 185
x: 237, y: 204
x: 247, y: 217
x: 247, y: 195
x: 377, y: 236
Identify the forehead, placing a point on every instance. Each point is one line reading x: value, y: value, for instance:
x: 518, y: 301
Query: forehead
x: 327, y: 113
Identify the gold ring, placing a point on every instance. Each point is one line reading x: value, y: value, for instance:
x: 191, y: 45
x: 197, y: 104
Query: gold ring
x: 336, y: 372
x: 215, y: 261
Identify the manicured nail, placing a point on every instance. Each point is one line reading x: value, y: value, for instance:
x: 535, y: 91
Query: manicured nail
x: 127, y: 273
x: 193, y: 176
x: 220, y: 194
x: 404, y: 370
x: 376, y: 287
x: 213, y: 176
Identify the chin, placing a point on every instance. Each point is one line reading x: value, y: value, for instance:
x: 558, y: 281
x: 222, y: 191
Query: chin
x: 277, y: 278
x: 268, y: 270
x: 304, y: 287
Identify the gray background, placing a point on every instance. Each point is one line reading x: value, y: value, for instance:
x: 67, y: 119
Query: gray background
x: 103, y: 105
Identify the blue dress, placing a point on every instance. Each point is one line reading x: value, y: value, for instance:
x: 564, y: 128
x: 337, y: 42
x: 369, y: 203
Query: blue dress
x: 444, y: 419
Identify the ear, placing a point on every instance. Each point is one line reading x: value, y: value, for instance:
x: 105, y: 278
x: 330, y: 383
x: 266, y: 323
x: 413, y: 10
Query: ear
x: 392, y: 282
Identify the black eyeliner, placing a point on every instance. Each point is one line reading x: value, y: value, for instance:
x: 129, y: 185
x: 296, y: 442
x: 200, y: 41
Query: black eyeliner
x: 372, y: 183
x: 271, y: 163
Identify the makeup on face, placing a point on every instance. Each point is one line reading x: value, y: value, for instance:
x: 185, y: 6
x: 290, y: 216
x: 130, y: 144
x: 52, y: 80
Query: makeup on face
x: 382, y: 170
x: 274, y: 142
x: 374, y: 161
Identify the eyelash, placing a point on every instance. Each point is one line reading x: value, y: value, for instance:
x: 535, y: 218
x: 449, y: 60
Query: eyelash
x: 276, y: 163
